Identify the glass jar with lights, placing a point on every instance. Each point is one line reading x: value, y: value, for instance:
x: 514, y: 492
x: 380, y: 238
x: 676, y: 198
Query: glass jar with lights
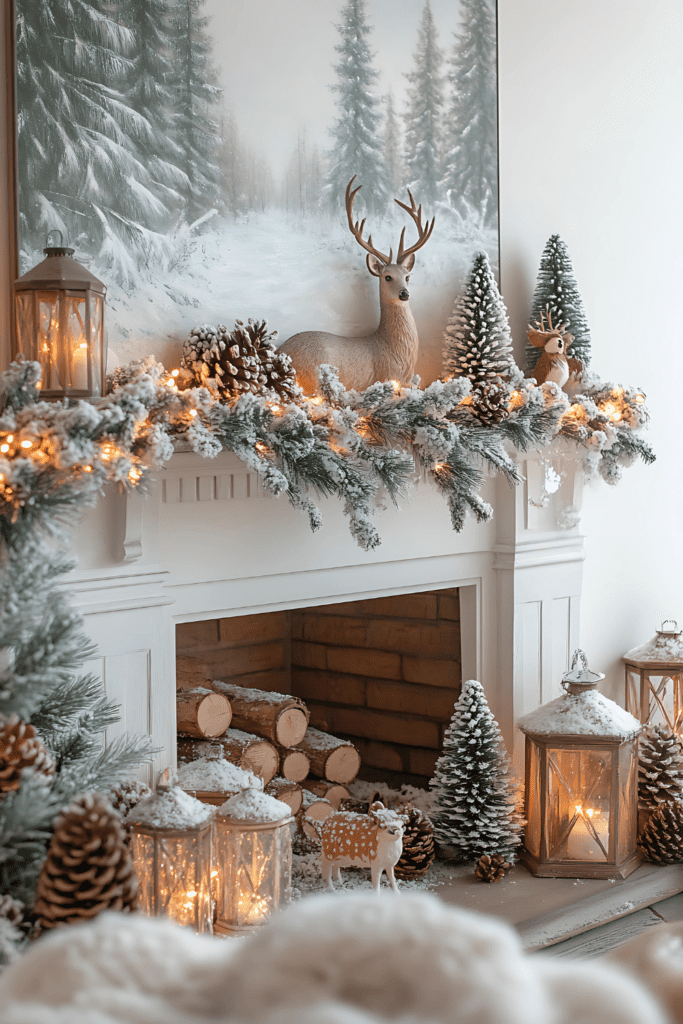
x: 581, y: 782
x: 654, y: 679
x: 172, y: 842
x: 253, y: 860
x: 59, y: 321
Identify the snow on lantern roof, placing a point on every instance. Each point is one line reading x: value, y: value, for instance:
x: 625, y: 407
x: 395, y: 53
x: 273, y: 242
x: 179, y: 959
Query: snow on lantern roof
x: 215, y: 775
x: 253, y: 805
x: 173, y: 809
x: 581, y: 714
x: 665, y: 647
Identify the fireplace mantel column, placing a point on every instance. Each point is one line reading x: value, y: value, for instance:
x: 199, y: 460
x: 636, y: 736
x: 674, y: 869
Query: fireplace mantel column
x: 538, y: 565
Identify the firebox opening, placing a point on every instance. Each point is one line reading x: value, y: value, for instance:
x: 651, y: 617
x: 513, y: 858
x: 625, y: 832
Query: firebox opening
x: 383, y: 673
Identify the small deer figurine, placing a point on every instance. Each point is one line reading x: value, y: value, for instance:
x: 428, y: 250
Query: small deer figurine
x: 553, y: 363
x: 373, y: 840
x: 390, y: 352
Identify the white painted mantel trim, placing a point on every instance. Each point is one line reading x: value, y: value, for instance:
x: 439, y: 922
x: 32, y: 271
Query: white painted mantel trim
x: 207, y: 543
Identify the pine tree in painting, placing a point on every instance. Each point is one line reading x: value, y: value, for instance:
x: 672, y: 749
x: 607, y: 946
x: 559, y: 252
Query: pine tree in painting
x: 79, y: 141
x: 356, y: 132
x: 475, y: 812
x: 556, y: 288
x: 392, y: 147
x: 478, y: 342
x: 192, y: 85
x: 424, y: 120
x: 471, y: 149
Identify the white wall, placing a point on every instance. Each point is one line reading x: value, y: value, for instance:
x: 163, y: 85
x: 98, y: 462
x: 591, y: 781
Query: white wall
x: 591, y: 147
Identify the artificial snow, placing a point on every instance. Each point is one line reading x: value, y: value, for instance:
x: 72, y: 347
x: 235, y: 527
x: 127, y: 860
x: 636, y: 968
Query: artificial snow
x: 215, y: 775
x: 253, y: 805
x: 584, y: 714
x: 663, y: 646
x: 171, y: 809
x: 347, y: 958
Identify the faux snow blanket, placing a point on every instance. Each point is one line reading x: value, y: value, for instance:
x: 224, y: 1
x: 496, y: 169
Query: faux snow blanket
x: 344, y: 959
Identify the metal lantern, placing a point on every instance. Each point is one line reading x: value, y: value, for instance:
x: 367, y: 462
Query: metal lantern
x: 59, y: 316
x: 654, y: 679
x: 172, y: 842
x: 253, y: 849
x: 581, y: 782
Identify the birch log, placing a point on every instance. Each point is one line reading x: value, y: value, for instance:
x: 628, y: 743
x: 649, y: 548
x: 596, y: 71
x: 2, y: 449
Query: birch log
x: 331, y: 759
x: 289, y: 792
x: 331, y: 791
x: 294, y: 764
x: 202, y: 713
x: 242, y: 748
x: 275, y: 716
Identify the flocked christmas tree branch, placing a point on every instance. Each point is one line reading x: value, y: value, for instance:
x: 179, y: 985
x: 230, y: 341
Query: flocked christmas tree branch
x: 55, y: 458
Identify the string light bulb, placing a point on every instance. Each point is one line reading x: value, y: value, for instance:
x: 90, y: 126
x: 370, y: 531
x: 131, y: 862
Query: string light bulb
x: 27, y: 444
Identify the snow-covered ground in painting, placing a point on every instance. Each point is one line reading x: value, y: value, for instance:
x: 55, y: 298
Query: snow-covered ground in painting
x: 310, y: 277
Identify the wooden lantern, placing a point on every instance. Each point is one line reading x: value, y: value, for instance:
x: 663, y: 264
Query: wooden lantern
x: 253, y: 859
x: 59, y: 317
x: 581, y: 782
x: 172, y: 844
x: 654, y: 679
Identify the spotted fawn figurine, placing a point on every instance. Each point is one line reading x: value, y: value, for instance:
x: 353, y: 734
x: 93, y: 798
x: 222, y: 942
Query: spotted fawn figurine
x: 553, y: 363
x: 373, y: 840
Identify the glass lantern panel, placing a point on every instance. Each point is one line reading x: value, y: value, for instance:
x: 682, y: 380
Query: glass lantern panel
x: 77, y: 343
x: 628, y: 807
x: 97, y: 353
x: 174, y: 877
x: 578, y: 807
x: 26, y: 325
x: 532, y: 833
x: 49, y: 351
x: 664, y: 701
x: 633, y: 692
x: 254, y: 874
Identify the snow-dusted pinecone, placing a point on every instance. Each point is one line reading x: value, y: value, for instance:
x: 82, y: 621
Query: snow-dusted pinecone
x: 660, y: 768
x: 418, y: 846
x: 240, y: 361
x: 279, y: 369
x: 128, y: 795
x: 491, y: 869
x: 490, y: 401
x: 661, y: 840
x: 21, y: 748
x: 88, y: 867
x: 13, y: 911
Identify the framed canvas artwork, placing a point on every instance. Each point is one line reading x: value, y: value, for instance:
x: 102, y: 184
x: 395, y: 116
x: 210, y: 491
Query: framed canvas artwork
x: 195, y: 153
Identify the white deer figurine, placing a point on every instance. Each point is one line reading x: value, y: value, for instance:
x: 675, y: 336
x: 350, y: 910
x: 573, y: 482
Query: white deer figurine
x: 390, y: 352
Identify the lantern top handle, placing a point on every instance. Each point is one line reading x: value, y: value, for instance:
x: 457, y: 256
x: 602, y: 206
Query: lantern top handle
x: 57, y: 250
x: 580, y: 677
x: 669, y: 632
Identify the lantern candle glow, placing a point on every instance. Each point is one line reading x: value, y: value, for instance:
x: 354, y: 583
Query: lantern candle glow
x: 254, y: 860
x: 171, y: 843
x: 581, y: 782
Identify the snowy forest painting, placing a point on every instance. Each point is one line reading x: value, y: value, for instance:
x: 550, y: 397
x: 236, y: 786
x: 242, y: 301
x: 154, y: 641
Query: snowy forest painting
x: 196, y: 153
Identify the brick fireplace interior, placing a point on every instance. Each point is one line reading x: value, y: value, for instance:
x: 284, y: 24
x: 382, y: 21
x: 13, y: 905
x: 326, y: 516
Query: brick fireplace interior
x: 384, y: 673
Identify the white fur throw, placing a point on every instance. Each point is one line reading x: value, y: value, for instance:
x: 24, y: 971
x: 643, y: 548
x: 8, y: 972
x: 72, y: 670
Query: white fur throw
x: 344, y: 959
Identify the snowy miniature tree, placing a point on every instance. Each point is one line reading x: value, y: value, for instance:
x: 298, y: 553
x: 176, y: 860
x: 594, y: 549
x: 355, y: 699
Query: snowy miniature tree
x: 424, y: 119
x: 471, y: 149
x: 478, y: 343
x: 475, y: 793
x: 557, y: 290
x: 357, y: 145
x: 192, y: 85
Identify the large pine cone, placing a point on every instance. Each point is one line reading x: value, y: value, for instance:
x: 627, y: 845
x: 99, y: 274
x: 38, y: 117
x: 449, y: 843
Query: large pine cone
x: 661, y: 840
x: 20, y: 748
x: 88, y: 867
x: 241, y: 361
x: 279, y: 370
x: 490, y: 401
x: 491, y: 869
x: 660, y: 767
x: 418, y: 846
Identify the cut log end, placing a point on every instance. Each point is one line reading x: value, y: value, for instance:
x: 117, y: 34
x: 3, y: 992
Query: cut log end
x: 342, y: 765
x: 328, y: 790
x: 294, y: 765
x: 203, y: 715
x: 287, y: 791
x: 262, y: 759
x: 290, y: 727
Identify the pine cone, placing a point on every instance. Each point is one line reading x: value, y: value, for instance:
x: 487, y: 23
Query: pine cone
x: 661, y: 840
x: 490, y: 401
x: 490, y: 869
x: 418, y: 846
x: 279, y: 371
x: 660, y: 767
x: 21, y: 748
x: 128, y: 795
x: 88, y: 867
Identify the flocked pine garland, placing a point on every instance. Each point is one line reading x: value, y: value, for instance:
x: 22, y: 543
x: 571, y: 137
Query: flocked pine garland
x: 55, y: 456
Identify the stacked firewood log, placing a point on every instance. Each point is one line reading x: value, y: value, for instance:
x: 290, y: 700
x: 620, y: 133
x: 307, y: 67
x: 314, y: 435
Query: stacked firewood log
x: 267, y: 733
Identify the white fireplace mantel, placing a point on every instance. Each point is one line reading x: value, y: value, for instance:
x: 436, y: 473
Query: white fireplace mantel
x: 207, y: 543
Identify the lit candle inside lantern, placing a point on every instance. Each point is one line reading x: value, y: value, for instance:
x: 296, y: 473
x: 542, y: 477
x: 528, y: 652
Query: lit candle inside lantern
x: 589, y: 834
x: 79, y: 367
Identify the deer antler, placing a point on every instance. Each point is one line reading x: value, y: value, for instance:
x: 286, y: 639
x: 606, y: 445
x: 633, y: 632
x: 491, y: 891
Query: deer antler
x: 423, y: 232
x: 357, y: 229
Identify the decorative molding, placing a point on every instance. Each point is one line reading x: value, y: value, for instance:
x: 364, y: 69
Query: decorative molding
x: 190, y: 487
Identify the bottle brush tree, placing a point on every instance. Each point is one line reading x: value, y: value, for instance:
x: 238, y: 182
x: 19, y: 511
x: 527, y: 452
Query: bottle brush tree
x: 557, y: 290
